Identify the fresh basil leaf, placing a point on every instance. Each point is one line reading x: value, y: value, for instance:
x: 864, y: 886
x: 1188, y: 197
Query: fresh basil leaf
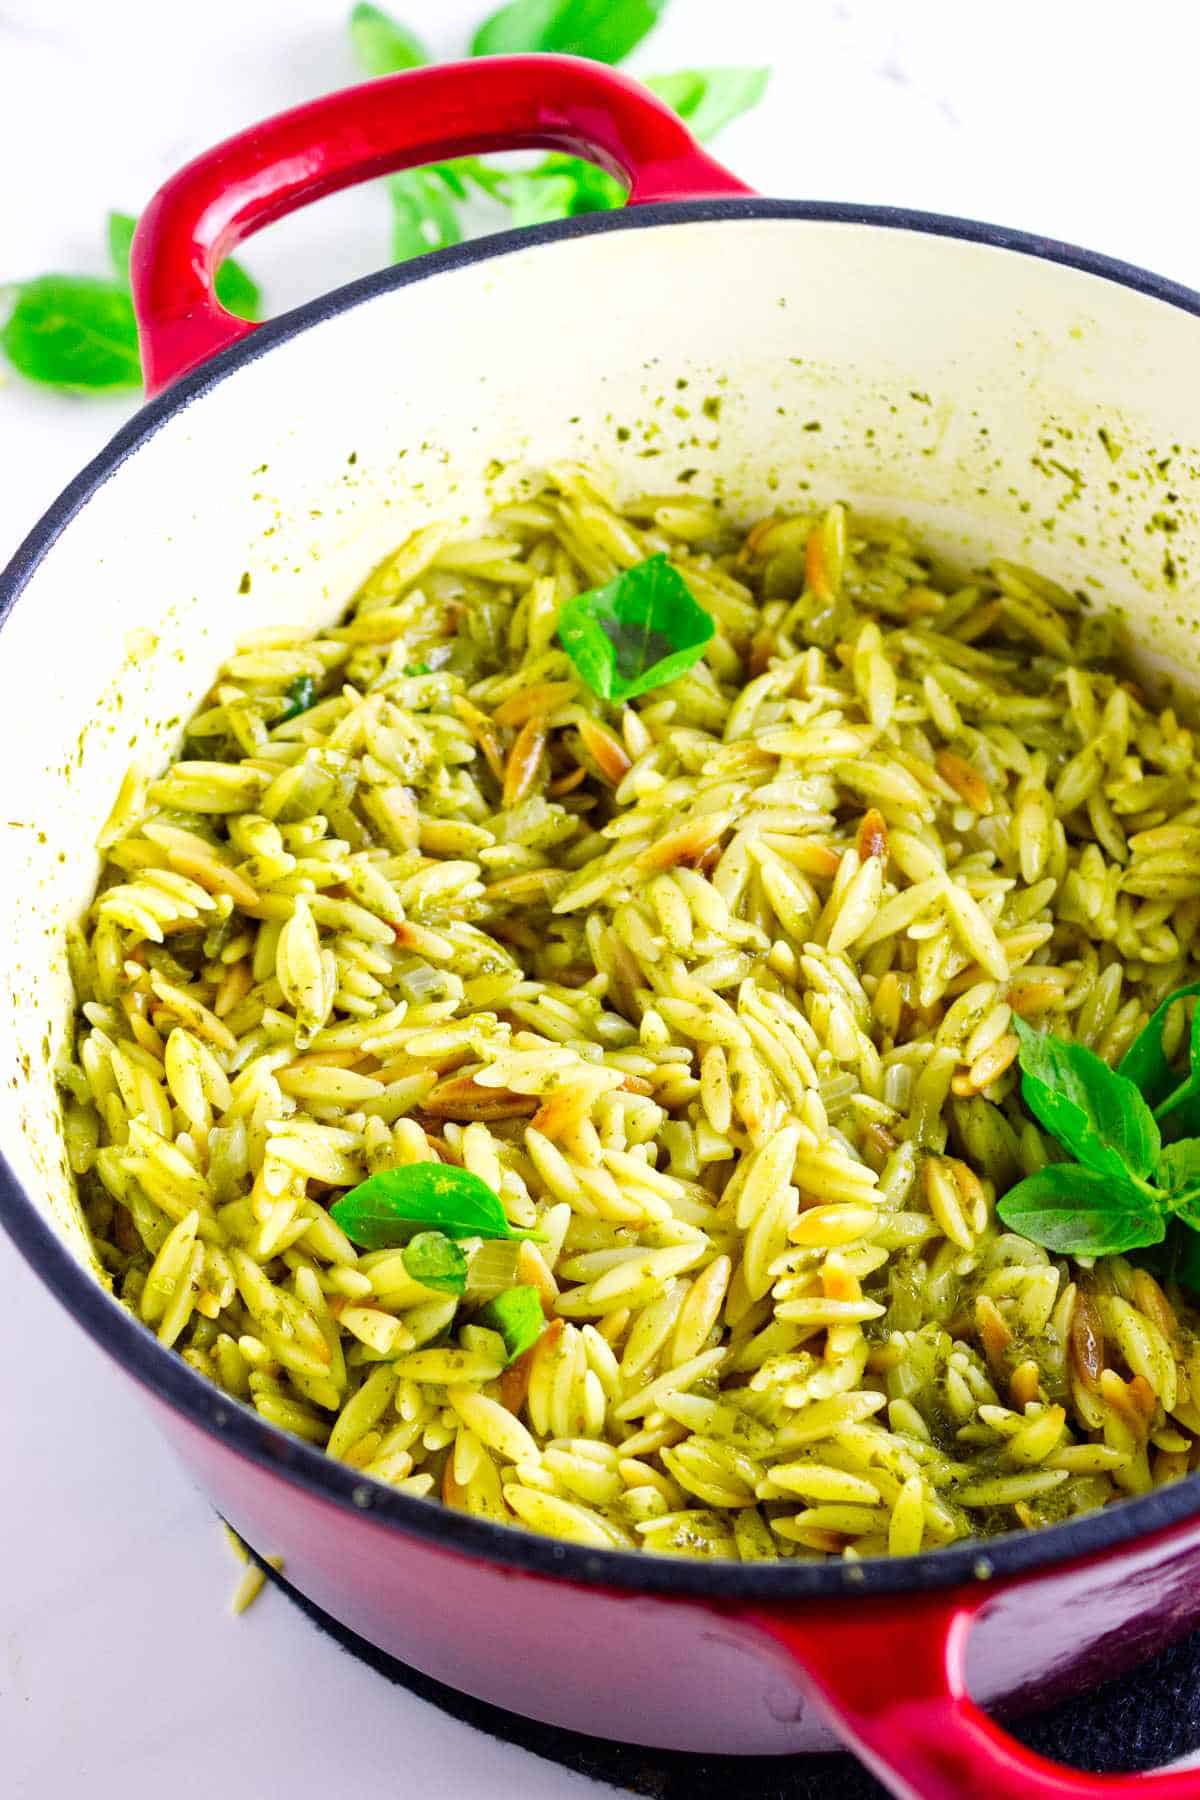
x: 382, y: 45
x: 517, y: 1315
x: 1145, y: 1063
x: 1178, y: 1170
x: 1099, y: 1116
x: 436, y: 1262
x: 709, y: 99
x: 1182, y: 1118
x: 451, y: 177
x: 235, y: 289
x: 301, y: 694
x: 595, y: 189
x: 636, y: 632
x: 535, y: 199
x: 393, y: 1206
x: 73, y: 331
x: 1080, y: 1212
x: 1179, y: 1113
x: 605, y: 30
x: 561, y: 187
x: 472, y: 171
x: 423, y: 214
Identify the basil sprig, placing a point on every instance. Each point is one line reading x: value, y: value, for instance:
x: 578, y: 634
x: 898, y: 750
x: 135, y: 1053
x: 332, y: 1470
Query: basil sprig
x: 1125, y: 1188
x: 636, y: 632
x: 427, y: 203
x: 394, y: 1206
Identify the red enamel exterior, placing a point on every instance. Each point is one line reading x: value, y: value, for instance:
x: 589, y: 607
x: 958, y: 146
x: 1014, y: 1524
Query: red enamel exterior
x: 883, y: 1675
x: 454, y: 109
x: 886, y: 1676
x: 894, y: 1675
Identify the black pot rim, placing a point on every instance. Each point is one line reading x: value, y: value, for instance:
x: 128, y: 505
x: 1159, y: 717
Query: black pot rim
x: 169, y: 1379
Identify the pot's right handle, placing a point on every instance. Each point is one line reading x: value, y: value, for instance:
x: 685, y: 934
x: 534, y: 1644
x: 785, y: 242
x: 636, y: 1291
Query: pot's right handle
x: 891, y: 1675
x: 397, y: 122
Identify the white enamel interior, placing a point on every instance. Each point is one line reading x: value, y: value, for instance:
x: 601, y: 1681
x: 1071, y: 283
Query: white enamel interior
x: 956, y: 384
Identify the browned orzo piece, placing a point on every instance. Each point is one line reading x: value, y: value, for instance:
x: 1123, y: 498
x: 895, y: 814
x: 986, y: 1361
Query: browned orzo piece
x: 484, y: 733
x: 513, y: 1384
x: 524, y: 760
x: 1023, y: 1384
x: 1086, y: 1340
x: 1031, y: 999
x: 605, y: 749
x: 533, y: 703
x: 966, y: 781
x: 1134, y: 1400
x: 994, y: 1335
x: 460, y: 1097
x: 872, y: 835
x: 686, y: 844
x: 566, y: 784
x: 816, y: 568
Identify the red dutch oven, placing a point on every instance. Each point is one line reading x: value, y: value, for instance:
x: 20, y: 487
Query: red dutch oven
x: 954, y: 372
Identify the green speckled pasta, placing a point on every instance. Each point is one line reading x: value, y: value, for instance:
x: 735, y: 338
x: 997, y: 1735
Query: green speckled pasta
x: 715, y: 990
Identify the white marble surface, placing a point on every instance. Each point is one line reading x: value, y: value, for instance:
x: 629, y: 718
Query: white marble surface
x: 1070, y: 117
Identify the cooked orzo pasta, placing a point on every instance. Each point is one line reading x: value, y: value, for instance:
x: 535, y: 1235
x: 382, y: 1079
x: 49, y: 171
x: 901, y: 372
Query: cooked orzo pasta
x: 714, y: 989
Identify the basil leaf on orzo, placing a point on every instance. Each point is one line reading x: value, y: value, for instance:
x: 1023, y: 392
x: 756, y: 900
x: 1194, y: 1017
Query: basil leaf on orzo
x: 636, y: 632
x: 394, y: 1205
x: 1146, y: 1063
x: 1079, y: 1212
x: 1099, y: 1116
x: 436, y: 1261
x: 517, y: 1315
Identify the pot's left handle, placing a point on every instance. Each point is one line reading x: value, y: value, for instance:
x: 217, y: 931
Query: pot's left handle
x: 396, y: 122
x: 891, y: 1676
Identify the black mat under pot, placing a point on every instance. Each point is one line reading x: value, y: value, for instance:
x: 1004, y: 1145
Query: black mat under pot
x: 1140, y: 1722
